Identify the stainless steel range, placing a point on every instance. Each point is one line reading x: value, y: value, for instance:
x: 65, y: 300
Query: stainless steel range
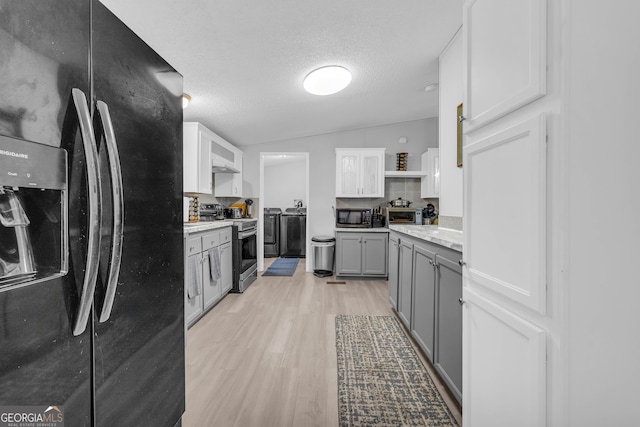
x: 244, y: 247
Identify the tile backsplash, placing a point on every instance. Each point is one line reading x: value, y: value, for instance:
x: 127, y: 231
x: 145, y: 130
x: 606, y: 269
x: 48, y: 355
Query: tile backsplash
x: 406, y: 188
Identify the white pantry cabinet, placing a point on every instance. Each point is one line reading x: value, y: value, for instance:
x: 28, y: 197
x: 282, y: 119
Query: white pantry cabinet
x: 504, y: 213
x: 360, y: 172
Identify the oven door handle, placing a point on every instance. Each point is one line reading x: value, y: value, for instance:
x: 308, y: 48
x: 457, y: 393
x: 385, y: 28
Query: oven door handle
x: 247, y: 233
x: 94, y: 190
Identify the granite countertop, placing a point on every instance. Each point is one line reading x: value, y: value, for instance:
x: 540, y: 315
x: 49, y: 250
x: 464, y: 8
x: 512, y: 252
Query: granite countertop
x: 446, y: 237
x: 362, y: 230
x: 195, y: 227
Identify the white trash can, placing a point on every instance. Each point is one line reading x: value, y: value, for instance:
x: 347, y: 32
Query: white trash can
x: 323, y: 249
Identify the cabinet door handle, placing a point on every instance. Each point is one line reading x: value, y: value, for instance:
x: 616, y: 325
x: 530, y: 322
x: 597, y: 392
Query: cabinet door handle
x: 462, y: 263
x: 461, y: 301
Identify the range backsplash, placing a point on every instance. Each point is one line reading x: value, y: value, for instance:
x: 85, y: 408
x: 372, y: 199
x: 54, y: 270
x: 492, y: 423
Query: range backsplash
x: 406, y: 188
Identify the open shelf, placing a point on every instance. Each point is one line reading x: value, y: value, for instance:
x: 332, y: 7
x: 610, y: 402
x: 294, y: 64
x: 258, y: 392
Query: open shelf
x: 405, y: 174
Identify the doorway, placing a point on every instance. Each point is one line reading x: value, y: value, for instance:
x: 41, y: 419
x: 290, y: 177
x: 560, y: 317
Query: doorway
x: 284, y: 181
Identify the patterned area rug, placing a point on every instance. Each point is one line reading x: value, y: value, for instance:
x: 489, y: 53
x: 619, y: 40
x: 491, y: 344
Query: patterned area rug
x: 381, y: 380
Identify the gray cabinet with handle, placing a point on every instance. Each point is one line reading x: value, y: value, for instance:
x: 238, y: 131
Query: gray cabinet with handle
x: 429, y: 289
x: 393, y: 270
x: 424, y: 298
x: 405, y: 278
x: 361, y: 254
x: 208, y: 271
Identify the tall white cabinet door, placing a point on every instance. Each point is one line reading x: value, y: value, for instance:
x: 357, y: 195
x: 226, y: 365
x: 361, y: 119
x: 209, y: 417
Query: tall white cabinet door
x: 372, y: 183
x: 504, y: 57
x: 505, y: 212
x: 348, y: 168
x: 204, y: 162
x: 504, y: 374
x: 196, y: 159
x: 430, y: 184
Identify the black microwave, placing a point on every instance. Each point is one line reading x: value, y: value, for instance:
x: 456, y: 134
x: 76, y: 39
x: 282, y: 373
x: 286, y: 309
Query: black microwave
x: 353, y: 218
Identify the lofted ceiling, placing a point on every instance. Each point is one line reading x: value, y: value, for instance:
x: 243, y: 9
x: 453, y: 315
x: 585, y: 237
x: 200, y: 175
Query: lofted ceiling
x: 244, y: 61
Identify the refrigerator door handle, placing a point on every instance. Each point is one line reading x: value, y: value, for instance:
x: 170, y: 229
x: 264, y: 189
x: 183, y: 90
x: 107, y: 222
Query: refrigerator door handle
x: 115, y: 171
x: 94, y: 190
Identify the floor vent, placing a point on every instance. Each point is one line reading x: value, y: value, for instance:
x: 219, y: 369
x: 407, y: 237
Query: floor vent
x: 336, y: 283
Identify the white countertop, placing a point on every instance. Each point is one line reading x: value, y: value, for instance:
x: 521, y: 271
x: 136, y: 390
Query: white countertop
x: 446, y: 237
x: 195, y: 227
x: 362, y: 230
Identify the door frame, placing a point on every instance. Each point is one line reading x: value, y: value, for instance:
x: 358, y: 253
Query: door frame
x: 260, y: 240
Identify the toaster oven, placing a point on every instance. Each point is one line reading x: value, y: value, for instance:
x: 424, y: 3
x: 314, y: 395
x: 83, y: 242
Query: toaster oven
x: 401, y: 215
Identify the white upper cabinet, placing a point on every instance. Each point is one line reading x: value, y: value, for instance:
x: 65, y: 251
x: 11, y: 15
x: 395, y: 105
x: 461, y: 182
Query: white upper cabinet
x: 360, y: 172
x: 196, y: 159
x: 206, y: 153
x: 430, y: 184
x: 230, y: 184
x: 504, y: 57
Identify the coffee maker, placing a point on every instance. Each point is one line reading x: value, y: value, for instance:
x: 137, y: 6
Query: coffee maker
x: 248, y: 208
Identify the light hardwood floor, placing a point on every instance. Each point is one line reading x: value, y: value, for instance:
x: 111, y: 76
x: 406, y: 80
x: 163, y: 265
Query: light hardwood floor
x: 267, y: 357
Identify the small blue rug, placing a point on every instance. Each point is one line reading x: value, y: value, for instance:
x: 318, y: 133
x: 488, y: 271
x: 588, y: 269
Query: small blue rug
x: 282, y: 267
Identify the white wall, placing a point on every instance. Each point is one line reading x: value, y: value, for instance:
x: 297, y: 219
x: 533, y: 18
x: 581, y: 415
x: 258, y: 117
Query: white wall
x: 421, y: 134
x: 602, y: 89
x: 284, y: 182
x: 450, y: 71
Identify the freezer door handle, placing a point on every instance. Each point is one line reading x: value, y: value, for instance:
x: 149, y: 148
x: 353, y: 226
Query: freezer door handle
x: 94, y: 190
x: 115, y: 171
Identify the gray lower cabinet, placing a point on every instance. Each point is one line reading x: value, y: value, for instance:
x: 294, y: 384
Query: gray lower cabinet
x: 193, y: 307
x: 448, y: 354
x: 424, y: 299
x: 361, y: 254
x: 226, y: 259
x: 208, y: 271
x: 393, y: 271
x: 405, y: 277
x: 429, y: 291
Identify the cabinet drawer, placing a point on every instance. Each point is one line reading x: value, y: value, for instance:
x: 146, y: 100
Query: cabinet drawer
x: 225, y: 235
x: 193, y: 245
x: 210, y: 240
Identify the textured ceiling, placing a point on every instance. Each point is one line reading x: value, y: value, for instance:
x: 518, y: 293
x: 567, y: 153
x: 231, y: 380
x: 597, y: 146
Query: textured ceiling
x: 244, y: 61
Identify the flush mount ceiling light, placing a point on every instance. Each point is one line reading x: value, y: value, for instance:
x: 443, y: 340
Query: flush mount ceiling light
x: 327, y: 80
x: 185, y: 100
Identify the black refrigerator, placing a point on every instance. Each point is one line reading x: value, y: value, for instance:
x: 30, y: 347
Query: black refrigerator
x: 91, y: 243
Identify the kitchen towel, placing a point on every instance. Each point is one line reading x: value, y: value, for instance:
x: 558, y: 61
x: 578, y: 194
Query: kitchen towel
x: 194, y: 278
x: 214, y: 263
